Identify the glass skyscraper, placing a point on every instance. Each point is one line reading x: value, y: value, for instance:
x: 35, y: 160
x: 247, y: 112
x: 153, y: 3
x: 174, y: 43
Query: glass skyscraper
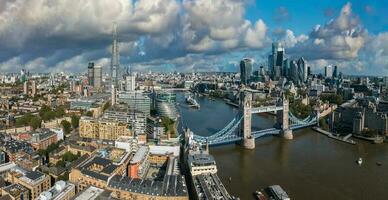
x: 246, y: 66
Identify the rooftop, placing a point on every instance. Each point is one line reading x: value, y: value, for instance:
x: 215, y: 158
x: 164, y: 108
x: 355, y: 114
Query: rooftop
x: 171, y: 185
x: 89, y: 193
x: 201, y: 159
x: 140, y: 154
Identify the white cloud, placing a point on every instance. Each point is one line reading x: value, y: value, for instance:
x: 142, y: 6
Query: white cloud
x: 341, y: 38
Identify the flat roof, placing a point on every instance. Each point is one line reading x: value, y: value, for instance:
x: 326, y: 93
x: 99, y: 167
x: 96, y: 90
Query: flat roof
x: 89, y: 193
x: 140, y: 154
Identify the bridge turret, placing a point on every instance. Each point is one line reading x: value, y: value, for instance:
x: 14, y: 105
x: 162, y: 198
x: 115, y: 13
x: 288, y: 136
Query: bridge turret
x: 248, y: 141
x: 282, y: 120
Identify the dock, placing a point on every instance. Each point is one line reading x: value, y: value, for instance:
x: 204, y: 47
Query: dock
x: 345, y: 139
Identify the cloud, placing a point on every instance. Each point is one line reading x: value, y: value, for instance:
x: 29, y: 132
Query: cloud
x: 287, y: 37
x: 341, y: 38
x: 65, y: 35
x: 281, y: 14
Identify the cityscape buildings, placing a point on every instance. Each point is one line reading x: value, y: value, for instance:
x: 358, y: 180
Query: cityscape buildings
x: 214, y: 108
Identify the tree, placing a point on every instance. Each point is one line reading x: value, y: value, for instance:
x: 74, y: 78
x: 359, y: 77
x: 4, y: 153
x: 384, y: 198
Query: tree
x: 44, y: 109
x: 106, y: 106
x: 323, y: 124
x: 66, y: 127
x: 332, y: 98
x: 74, y: 121
x: 35, y: 122
x: 60, y: 111
x: 89, y: 113
x: 29, y: 120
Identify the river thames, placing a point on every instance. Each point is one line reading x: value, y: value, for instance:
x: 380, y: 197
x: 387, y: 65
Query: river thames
x: 312, y: 166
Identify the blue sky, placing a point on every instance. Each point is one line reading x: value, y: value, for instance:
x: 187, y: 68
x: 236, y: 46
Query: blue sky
x: 192, y: 35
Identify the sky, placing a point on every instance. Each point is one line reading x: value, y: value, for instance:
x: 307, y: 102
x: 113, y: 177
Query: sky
x: 192, y: 35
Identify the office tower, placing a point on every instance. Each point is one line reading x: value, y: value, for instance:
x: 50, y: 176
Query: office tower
x: 130, y: 82
x: 302, y: 70
x: 328, y: 71
x: 97, y: 77
x: 25, y: 87
x: 23, y: 76
x: 308, y: 71
x: 115, y: 60
x: 135, y: 100
x: 33, y: 88
x: 246, y: 70
x: 335, y: 72
x: 294, y: 71
x: 275, y: 60
x: 90, y: 73
x: 286, y: 67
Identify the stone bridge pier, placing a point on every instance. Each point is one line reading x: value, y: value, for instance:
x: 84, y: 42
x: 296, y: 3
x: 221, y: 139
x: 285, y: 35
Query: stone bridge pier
x: 282, y: 120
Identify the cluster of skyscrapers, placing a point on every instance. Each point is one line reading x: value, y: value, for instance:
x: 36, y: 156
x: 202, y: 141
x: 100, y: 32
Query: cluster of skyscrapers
x: 278, y: 66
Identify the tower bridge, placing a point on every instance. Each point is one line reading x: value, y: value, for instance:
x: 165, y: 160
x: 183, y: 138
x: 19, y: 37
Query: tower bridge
x: 239, y: 130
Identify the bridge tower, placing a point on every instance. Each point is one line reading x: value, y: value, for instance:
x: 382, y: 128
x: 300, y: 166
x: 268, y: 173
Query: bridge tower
x: 248, y: 141
x: 282, y: 120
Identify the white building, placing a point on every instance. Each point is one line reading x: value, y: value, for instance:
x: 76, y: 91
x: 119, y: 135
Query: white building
x: 60, y: 191
x: 329, y: 71
x: 202, y: 164
x: 130, y: 83
x: 128, y: 143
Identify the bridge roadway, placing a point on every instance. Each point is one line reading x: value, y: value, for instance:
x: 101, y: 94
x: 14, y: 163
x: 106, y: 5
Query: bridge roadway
x: 266, y: 109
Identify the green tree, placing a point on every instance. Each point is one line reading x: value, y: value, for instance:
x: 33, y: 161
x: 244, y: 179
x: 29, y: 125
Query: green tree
x: 89, y: 113
x: 66, y: 127
x: 106, y: 106
x: 44, y: 109
x: 69, y: 157
x: 60, y: 111
x: 35, y: 122
x: 332, y: 98
x: 323, y: 124
x: 74, y: 121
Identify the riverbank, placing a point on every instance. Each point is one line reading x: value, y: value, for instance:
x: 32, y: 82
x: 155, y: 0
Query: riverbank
x: 345, y: 139
x: 376, y: 140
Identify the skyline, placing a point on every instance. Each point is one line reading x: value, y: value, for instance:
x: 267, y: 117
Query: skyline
x: 186, y: 36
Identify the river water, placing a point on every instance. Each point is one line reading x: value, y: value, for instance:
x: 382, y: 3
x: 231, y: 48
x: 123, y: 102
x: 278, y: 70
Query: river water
x: 312, y: 166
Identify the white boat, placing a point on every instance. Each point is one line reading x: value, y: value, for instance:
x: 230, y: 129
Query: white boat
x: 278, y: 193
x: 359, y: 161
x: 192, y: 102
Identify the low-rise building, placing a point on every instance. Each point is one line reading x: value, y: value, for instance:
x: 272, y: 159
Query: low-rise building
x: 201, y: 163
x: 43, y: 138
x: 36, y: 182
x: 139, y: 163
x: 60, y: 191
x: 15, y: 192
x: 102, y: 129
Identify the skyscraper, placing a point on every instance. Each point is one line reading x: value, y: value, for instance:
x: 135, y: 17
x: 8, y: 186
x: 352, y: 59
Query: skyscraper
x: 294, y: 71
x: 335, y: 72
x: 90, y: 73
x: 115, y: 60
x: 276, y: 60
x: 97, y: 77
x: 328, y: 71
x: 302, y: 70
x: 246, y: 70
x: 130, y: 82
